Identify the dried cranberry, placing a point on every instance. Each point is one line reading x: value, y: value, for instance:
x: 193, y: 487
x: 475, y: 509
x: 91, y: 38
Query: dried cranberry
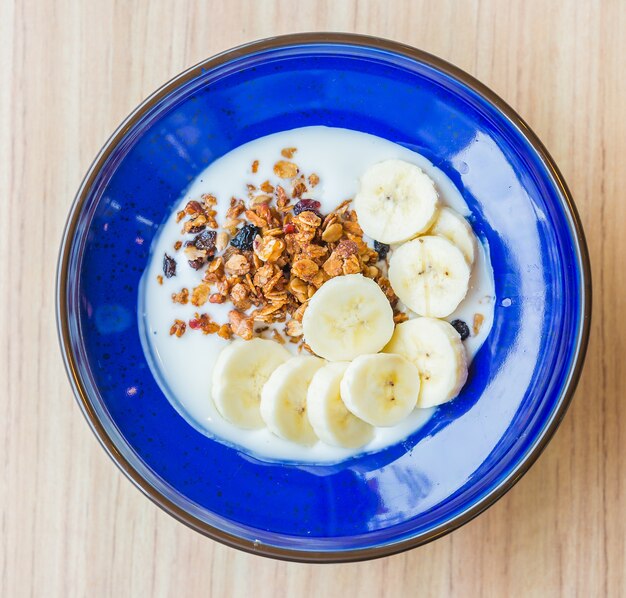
x: 461, y: 327
x: 307, y: 205
x: 169, y: 266
x: 382, y: 249
x: 197, y: 263
x: 195, y: 324
x: 244, y: 238
x: 205, y: 240
x: 289, y: 228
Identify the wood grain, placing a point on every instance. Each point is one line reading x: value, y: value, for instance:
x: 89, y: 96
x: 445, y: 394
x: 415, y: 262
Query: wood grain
x: 71, y: 524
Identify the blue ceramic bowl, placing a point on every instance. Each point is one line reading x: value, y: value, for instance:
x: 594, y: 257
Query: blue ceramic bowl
x: 473, y: 449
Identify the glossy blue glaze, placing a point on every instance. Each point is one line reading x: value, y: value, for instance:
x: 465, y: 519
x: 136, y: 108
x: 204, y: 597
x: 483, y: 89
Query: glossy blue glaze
x: 472, y: 446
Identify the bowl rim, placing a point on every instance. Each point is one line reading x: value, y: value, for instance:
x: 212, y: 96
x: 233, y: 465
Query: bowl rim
x: 360, y: 554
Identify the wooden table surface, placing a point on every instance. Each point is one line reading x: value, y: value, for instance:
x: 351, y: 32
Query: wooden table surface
x: 72, y: 525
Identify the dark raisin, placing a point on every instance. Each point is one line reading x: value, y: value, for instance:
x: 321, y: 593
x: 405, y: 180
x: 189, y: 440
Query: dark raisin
x: 461, y: 327
x: 205, y: 240
x: 197, y: 263
x: 382, y: 249
x: 307, y: 205
x: 244, y: 238
x: 169, y: 266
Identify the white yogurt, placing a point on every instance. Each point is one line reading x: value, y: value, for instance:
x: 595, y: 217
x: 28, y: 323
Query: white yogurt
x: 183, y: 366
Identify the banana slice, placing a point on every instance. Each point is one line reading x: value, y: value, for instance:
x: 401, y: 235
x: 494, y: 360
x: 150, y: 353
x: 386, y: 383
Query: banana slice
x: 380, y: 389
x: 284, y: 399
x: 396, y: 201
x: 239, y: 374
x: 332, y: 422
x: 435, y: 347
x: 429, y: 275
x: 348, y: 316
x: 455, y: 228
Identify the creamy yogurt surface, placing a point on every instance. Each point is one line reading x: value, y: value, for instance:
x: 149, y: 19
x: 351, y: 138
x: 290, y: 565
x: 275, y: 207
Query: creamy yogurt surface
x: 183, y: 366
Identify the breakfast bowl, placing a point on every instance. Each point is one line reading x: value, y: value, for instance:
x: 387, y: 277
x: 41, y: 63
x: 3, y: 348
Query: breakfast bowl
x: 471, y: 450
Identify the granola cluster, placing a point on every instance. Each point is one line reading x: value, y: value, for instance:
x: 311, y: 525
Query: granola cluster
x: 274, y: 251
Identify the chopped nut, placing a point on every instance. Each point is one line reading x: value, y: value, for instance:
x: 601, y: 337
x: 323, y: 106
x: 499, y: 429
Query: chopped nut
x: 333, y: 266
x: 285, y: 170
x: 353, y: 227
x: 258, y: 199
x: 271, y: 284
x: 241, y: 324
x: 293, y: 328
x: 255, y: 166
x: 178, y: 245
x: 223, y: 286
x: 281, y: 198
x: 351, y: 265
x: 216, y: 298
x: 263, y: 275
x: 209, y: 200
x: 313, y: 179
x: 240, y: 296
x: 182, y: 297
x: 225, y: 331
x: 268, y: 249
x: 255, y: 219
x: 266, y: 187
x: 200, y: 294
x: 196, y: 225
x: 288, y: 152
x: 221, y: 241
x: 346, y: 248
x: 193, y: 207
x: 361, y: 246
x: 236, y: 208
x: 232, y: 224
x: 159, y: 279
x: 237, y: 264
x: 478, y: 322
x: 178, y: 328
x: 298, y: 189
x: 332, y: 233
x: 314, y: 252
x: 193, y: 253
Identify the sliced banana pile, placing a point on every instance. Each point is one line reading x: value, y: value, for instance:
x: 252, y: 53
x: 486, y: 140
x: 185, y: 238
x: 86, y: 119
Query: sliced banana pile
x: 369, y: 372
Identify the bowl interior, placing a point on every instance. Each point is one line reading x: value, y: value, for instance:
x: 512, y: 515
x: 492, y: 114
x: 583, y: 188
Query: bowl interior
x: 473, y: 446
